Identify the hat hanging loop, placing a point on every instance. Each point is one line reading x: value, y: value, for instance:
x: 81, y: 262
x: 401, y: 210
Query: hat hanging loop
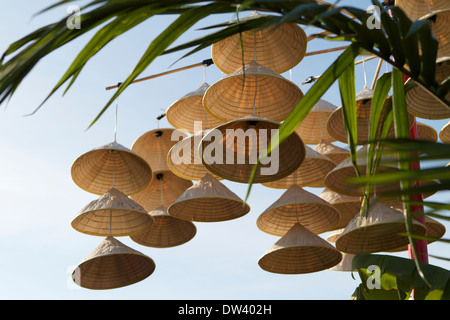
x: 115, y: 119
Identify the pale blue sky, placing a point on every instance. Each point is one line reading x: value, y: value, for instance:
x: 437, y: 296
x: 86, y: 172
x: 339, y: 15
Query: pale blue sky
x: 39, y: 199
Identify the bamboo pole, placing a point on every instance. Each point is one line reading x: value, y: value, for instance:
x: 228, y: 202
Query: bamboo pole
x: 312, y: 53
x: 377, y: 72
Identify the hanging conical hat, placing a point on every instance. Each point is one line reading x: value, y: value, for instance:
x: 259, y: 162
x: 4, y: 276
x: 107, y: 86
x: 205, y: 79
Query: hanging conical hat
x: 444, y: 134
x: 298, y: 205
x: 184, y: 113
x: 167, y: 231
x: 347, y: 206
x: 184, y: 159
x: 424, y: 105
x: 313, y: 128
x: 335, y: 153
x: 278, y: 48
x: 332, y: 237
x: 299, y: 251
x: 439, y: 26
x: 154, y: 145
x: 311, y: 172
x: 208, y: 200
x: 253, y: 136
x: 416, y: 9
x: 112, y: 265
x: 435, y: 230
x: 336, y: 179
x: 97, y: 170
x: 347, y: 258
x: 112, y: 214
x: 163, y: 183
x: 425, y: 132
x: 336, y: 126
x: 252, y: 87
x: 377, y: 229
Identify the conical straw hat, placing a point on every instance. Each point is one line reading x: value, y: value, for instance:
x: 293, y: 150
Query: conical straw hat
x: 334, y: 235
x: 377, y: 229
x: 313, y: 128
x: 97, y: 170
x: 298, y: 205
x: 208, y: 200
x: 163, y: 183
x: 440, y: 22
x: 167, y: 231
x: 252, y: 90
x: 424, y: 105
x: 336, y: 126
x: 184, y: 113
x: 416, y: 9
x: 444, y: 134
x: 435, y: 230
x: 154, y: 145
x: 311, y: 173
x: 346, y: 263
x: 184, y: 158
x: 112, y: 214
x: 112, y: 265
x: 425, y: 132
x: 278, y: 48
x: 336, y: 179
x: 347, y: 206
x: 234, y: 158
x: 299, y: 251
x: 335, y: 153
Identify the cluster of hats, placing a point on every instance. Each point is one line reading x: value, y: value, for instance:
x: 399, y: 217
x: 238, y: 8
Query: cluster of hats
x: 148, y: 194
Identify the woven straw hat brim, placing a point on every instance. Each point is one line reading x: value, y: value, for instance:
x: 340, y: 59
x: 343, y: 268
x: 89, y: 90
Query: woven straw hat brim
x: 184, y: 113
x: 379, y: 230
x: 347, y: 206
x: 444, y: 134
x: 299, y: 251
x: 311, y: 173
x: 184, y: 159
x: 154, y: 145
x: 277, y: 48
x: 165, y: 185
x: 285, y: 160
x: 422, y: 104
x: 441, y: 30
x: 208, y: 200
x: 97, y: 170
x: 112, y: 214
x: 236, y: 95
x: 336, y: 127
x: 112, y: 265
x: 335, y: 153
x: 416, y: 9
x: 167, y: 231
x: 313, y: 128
x: 298, y: 205
x: 427, y: 133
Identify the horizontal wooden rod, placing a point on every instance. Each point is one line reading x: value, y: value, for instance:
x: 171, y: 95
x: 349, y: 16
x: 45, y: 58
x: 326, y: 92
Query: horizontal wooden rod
x: 312, y: 53
x: 203, y: 63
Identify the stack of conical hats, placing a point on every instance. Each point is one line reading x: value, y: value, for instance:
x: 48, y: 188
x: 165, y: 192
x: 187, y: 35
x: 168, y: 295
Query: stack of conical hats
x: 114, y: 172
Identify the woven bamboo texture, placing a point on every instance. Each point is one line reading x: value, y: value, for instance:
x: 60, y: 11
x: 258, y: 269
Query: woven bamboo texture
x: 335, y: 153
x: 376, y: 230
x: 112, y: 214
x: 298, y: 205
x: 299, y: 251
x: 427, y: 133
x: 165, y: 188
x: 167, y: 231
x: 112, y: 265
x: 311, y: 173
x: 422, y: 104
x: 208, y: 200
x: 252, y: 90
x: 347, y: 206
x: 416, y: 9
x: 184, y: 113
x: 278, y: 49
x: 313, y: 128
x: 444, y: 134
x: 111, y: 165
x: 291, y: 151
x: 154, y: 145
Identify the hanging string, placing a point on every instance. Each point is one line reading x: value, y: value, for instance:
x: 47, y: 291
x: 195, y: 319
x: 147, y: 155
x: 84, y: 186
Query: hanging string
x: 115, y: 119
x: 161, y: 189
x: 364, y: 69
